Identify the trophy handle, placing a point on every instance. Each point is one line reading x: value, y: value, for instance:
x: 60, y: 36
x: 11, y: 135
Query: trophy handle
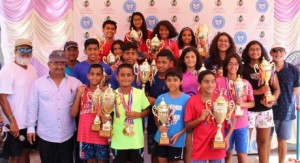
x: 128, y: 37
x: 231, y: 109
x: 104, y: 59
x: 230, y: 84
x: 136, y: 69
x: 161, y: 45
x: 148, y: 43
x: 256, y: 67
x: 154, y: 111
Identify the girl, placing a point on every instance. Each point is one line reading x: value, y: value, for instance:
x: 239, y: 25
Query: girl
x: 221, y: 46
x: 166, y: 31
x: 138, y: 23
x: 232, y: 67
x: 260, y: 116
x: 116, y: 49
x: 197, y: 118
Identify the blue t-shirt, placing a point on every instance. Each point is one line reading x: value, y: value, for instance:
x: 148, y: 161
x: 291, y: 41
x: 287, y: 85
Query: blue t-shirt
x: 69, y: 71
x: 178, y: 121
x: 288, y: 78
x: 115, y: 84
x: 81, y: 70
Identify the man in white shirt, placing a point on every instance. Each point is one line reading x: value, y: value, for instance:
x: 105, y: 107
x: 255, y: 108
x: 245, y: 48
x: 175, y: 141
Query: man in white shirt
x: 49, y: 107
x: 16, y: 80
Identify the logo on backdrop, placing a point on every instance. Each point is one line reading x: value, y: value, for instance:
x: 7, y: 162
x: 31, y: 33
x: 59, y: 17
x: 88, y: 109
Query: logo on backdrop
x: 129, y: 18
x: 196, y: 6
x: 151, y: 21
x: 86, y: 35
x: 218, y: 2
x: 218, y: 22
x: 240, y: 2
x: 129, y: 6
x: 174, y: 3
x: 240, y: 18
x: 262, y: 6
x: 107, y: 3
x: 151, y: 3
x: 240, y: 38
x: 86, y: 22
x: 86, y: 3
x: 262, y: 18
x: 262, y: 34
x: 174, y: 18
x: 196, y: 18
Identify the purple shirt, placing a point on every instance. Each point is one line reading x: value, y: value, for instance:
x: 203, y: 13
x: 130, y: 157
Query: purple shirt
x: 189, y: 83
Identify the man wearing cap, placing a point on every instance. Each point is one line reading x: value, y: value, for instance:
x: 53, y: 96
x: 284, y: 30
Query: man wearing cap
x: 284, y: 110
x: 71, y: 50
x: 49, y: 106
x: 16, y: 80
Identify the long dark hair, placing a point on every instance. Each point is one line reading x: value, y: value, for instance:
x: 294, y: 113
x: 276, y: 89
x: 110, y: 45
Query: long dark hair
x: 181, y: 63
x: 245, y: 55
x: 143, y: 27
x: 172, y: 31
x: 214, y: 53
x: 226, y: 62
x: 180, y: 41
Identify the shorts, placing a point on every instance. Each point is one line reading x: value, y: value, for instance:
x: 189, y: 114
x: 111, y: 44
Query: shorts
x: 169, y: 152
x: 151, y: 143
x: 89, y: 151
x: 283, y: 129
x: 124, y: 155
x: 239, y: 140
x: 209, y: 161
x: 14, y: 147
x: 262, y: 119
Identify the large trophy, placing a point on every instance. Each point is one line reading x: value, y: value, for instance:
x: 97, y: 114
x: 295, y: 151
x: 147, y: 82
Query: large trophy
x: 101, y: 43
x: 110, y: 59
x: 108, y: 105
x: 144, y: 72
x: 163, y: 112
x: 221, y: 110
x: 201, y: 34
x: 266, y: 72
x: 155, y: 45
x: 240, y: 89
x: 134, y: 36
x: 96, y: 96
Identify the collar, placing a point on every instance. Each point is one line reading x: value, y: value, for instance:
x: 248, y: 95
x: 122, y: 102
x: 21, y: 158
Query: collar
x: 48, y: 76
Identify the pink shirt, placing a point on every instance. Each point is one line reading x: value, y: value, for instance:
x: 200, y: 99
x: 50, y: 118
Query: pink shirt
x: 189, y: 83
x: 86, y: 119
x: 222, y: 84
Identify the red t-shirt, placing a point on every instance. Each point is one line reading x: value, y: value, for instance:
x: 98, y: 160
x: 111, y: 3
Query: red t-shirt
x: 106, y: 49
x: 86, y: 119
x: 142, y: 44
x: 174, y: 46
x: 204, y: 133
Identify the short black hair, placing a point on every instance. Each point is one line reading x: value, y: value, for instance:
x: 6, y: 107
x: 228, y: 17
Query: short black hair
x: 129, y: 45
x: 109, y: 22
x: 125, y: 65
x: 91, y: 41
x: 174, y: 73
x: 167, y: 53
x: 202, y: 74
x: 95, y: 66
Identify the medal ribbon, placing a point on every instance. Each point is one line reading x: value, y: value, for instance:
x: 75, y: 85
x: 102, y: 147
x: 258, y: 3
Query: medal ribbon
x: 127, y: 106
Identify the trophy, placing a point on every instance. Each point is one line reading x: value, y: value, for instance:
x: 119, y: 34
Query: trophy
x: 134, y: 36
x: 239, y: 90
x: 221, y: 110
x: 109, y: 59
x: 101, y: 43
x: 202, y: 68
x: 266, y: 72
x: 96, y: 95
x: 155, y: 45
x: 201, y: 33
x: 143, y: 71
x: 153, y: 71
x: 163, y: 112
x: 108, y: 105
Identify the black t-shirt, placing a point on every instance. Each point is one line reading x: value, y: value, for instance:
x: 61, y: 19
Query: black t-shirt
x: 250, y: 75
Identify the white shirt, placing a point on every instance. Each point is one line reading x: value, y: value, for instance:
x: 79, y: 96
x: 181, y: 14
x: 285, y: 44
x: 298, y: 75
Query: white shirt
x: 16, y: 82
x: 49, y: 107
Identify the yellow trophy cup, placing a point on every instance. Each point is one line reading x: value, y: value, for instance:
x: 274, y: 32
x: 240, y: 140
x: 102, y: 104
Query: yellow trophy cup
x: 145, y: 72
x: 155, y: 45
x: 163, y: 112
x: 266, y: 70
x: 240, y: 90
x: 96, y: 95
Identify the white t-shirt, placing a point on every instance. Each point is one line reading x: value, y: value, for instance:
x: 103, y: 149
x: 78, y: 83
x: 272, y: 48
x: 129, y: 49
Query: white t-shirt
x: 16, y: 82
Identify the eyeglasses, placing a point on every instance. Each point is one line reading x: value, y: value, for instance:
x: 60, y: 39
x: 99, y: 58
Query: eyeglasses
x: 25, y: 50
x: 275, y: 50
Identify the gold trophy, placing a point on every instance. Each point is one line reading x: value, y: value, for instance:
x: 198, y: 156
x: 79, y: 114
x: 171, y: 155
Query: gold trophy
x: 163, y: 112
x: 155, y: 45
x: 134, y: 36
x: 240, y: 90
x: 201, y: 34
x: 110, y: 59
x: 108, y: 104
x: 96, y: 95
x: 143, y: 71
x: 266, y: 70
x: 222, y: 110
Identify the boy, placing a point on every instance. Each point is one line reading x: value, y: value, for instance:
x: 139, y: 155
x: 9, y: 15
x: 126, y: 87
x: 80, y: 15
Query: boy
x: 91, y: 144
x: 165, y: 60
x: 284, y: 110
x: 176, y: 130
x: 132, y: 105
x: 109, y: 29
x: 91, y: 49
x: 71, y: 50
x: 130, y: 55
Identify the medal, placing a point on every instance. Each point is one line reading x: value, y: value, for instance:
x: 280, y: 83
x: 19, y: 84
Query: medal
x: 128, y: 123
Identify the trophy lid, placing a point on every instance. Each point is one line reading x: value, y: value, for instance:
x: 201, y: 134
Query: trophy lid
x: 162, y: 104
x: 145, y: 66
x: 153, y: 63
x: 155, y: 41
x: 265, y: 65
x: 202, y: 68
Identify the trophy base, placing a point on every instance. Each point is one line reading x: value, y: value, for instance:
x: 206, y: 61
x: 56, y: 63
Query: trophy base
x: 239, y: 113
x: 270, y: 98
x: 218, y: 145
x: 95, y: 127
x: 164, y: 141
x: 105, y: 133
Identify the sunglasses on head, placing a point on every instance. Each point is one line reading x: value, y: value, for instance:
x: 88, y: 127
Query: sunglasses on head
x: 275, y: 50
x: 25, y: 50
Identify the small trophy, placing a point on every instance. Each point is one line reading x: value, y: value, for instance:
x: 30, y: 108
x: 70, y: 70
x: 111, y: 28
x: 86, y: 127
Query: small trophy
x: 155, y: 45
x: 163, y: 112
x: 266, y: 72
x: 96, y: 95
x: 201, y: 33
x: 110, y: 59
x: 143, y: 71
x: 134, y: 36
x: 108, y: 104
x: 240, y: 90
x: 221, y: 110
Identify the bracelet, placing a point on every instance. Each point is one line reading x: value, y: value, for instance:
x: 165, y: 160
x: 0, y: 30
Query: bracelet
x: 10, y: 117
